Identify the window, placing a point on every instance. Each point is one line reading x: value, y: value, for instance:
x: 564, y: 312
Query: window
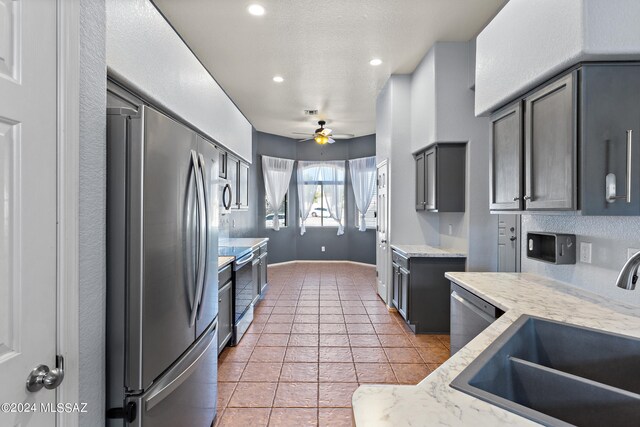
x: 282, y: 213
x: 319, y: 216
x: 370, y: 218
x: 321, y: 187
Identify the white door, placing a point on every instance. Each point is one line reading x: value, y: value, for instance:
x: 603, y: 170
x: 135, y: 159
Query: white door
x: 508, y: 243
x: 382, y: 247
x: 27, y: 207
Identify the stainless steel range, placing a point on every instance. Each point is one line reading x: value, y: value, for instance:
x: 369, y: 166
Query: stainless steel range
x: 245, y: 289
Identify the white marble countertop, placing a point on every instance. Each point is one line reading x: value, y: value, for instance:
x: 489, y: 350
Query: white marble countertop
x: 426, y: 251
x: 252, y: 242
x: 223, y: 261
x: 434, y: 402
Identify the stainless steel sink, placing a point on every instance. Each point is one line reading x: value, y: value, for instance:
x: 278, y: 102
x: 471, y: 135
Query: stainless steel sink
x: 559, y: 374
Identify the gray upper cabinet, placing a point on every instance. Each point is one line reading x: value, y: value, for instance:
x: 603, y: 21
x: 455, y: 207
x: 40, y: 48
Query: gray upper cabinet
x: 506, y: 158
x: 551, y: 146
x: 243, y: 186
x: 232, y: 178
x: 440, y: 178
x: 431, y: 168
x: 222, y: 162
x: 420, y: 181
x: 609, y: 108
x: 585, y: 122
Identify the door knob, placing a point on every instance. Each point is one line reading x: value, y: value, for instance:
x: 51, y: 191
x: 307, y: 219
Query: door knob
x: 42, y: 376
x: 513, y: 238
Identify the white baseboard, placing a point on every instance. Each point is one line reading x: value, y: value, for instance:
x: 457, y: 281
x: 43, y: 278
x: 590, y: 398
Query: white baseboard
x: 316, y: 261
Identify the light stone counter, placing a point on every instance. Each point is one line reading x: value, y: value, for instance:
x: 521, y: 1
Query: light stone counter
x: 224, y: 261
x: 433, y: 402
x: 252, y: 242
x: 425, y: 251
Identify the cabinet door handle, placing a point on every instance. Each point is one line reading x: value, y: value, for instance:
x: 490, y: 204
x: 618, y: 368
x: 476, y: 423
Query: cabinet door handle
x: 527, y: 198
x: 612, y: 196
x: 515, y: 199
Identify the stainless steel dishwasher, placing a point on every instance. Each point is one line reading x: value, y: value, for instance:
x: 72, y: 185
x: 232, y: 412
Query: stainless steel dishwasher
x: 470, y: 315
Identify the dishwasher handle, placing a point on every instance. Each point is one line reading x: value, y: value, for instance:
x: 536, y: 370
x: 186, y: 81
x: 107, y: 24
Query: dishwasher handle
x: 477, y: 310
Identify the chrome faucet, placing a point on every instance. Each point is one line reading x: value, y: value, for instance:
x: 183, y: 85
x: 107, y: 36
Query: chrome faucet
x: 629, y: 274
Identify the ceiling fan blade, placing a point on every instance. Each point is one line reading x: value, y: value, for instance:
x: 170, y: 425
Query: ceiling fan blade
x: 300, y: 133
x: 342, y: 135
x: 303, y: 140
x: 331, y: 140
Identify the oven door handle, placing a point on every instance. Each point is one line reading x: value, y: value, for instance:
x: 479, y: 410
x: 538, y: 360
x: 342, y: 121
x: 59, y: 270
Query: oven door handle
x: 242, y: 261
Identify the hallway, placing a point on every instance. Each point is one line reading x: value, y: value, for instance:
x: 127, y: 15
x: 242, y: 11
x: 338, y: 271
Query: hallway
x: 319, y: 332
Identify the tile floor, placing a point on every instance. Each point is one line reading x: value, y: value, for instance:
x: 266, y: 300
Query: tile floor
x: 319, y: 332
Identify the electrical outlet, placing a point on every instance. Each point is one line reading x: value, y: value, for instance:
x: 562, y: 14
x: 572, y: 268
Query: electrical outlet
x: 322, y: 248
x: 631, y: 252
x: 585, y: 252
x: 233, y: 223
x: 450, y: 229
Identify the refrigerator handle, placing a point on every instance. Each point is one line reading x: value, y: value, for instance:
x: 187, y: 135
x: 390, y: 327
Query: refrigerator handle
x: 205, y: 233
x: 190, y: 230
x: 201, y: 241
x: 182, y: 370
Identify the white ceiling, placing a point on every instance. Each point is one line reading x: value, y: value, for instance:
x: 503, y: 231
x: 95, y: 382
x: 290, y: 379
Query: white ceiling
x: 321, y: 48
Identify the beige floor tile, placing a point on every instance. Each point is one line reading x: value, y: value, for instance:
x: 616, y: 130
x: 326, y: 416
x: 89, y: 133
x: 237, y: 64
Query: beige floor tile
x: 261, y: 372
x: 336, y: 395
x: 335, y: 354
x: 334, y: 417
x: 268, y: 354
x: 301, y: 354
x: 230, y: 371
x: 334, y: 340
x: 303, y: 340
x: 337, y: 373
x: 410, y: 373
x: 293, y: 417
x: 402, y: 355
x: 434, y: 354
x: 243, y: 417
x: 296, y: 395
x: 253, y: 395
x: 375, y: 373
x: 299, y: 372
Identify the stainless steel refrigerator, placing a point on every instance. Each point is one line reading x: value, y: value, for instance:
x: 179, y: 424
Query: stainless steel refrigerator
x: 162, y: 290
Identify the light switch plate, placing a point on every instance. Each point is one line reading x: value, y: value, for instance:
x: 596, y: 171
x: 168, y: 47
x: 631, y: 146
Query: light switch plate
x: 585, y: 252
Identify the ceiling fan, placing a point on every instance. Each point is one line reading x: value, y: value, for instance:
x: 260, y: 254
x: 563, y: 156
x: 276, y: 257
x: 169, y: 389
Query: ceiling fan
x: 324, y: 135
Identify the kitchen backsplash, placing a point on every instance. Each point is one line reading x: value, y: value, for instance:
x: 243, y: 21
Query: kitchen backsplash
x: 611, y: 237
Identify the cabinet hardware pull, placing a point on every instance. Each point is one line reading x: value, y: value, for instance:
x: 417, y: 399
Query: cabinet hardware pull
x: 610, y: 179
x: 515, y: 199
x: 526, y: 198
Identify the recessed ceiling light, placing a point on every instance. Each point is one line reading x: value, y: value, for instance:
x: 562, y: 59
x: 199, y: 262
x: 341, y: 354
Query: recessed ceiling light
x: 375, y: 62
x: 278, y: 79
x: 256, y: 10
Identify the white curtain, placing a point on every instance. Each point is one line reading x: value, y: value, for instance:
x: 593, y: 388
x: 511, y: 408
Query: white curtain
x: 277, y: 175
x: 363, y: 181
x: 307, y: 173
x: 333, y: 183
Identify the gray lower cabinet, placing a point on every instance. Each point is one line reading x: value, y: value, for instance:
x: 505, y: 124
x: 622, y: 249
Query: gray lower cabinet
x: 225, y: 307
x: 553, y: 148
x: 420, y: 292
x: 440, y: 177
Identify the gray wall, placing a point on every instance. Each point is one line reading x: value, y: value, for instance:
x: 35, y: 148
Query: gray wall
x: 435, y: 104
x: 287, y: 244
x: 92, y: 205
x: 610, y: 237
